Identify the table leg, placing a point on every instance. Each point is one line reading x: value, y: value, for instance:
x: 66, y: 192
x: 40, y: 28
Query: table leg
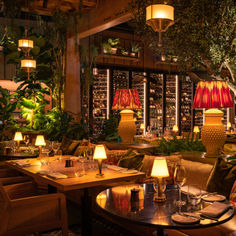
x: 86, y: 214
x: 161, y: 232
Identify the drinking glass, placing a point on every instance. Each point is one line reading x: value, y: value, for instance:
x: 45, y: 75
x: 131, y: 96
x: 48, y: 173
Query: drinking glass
x: 55, y: 146
x: 26, y: 140
x: 179, y: 179
x: 194, y: 195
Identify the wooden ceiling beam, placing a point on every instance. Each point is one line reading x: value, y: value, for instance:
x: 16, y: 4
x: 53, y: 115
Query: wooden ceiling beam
x: 104, y: 16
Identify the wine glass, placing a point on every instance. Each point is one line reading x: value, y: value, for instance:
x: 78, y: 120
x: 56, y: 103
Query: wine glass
x: 180, y: 179
x: 26, y: 139
x: 55, y: 146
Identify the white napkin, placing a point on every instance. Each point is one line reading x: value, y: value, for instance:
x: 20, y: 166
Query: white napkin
x: 192, y: 190
x: 56, y: 175
x: 22, y: 163
x: 116, y: 168
x: 215, y: 210
x: 129, y: 171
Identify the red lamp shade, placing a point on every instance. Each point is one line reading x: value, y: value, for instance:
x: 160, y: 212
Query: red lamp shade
x: 211, y: 94
x: 126, y: 99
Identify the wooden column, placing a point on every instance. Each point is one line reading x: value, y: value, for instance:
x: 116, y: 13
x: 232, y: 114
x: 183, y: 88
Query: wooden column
x: 72, y: 87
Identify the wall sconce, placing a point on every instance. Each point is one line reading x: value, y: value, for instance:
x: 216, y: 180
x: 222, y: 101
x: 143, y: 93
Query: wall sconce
x: 99, y: 155
x: 159, y: 171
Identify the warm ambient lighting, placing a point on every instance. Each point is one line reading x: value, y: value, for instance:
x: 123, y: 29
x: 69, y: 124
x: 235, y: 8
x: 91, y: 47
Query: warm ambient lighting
x: 99, y: 154
x: 213, y: 94
x: 159, y: 171
x: 18, y: 137
x: 196, y: 129
x: 175, y: 129
x: 160, y: 17
x: 142, y: 127
x: 229, y: 125
x: 25, y: 44
x: 40, y: 141
x: 126, y: 100
x: 28, y: 64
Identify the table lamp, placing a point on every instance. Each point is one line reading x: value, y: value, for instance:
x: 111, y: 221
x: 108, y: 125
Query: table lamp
x: 196, y: 131
x: 99, y: 155
x: 142, y: 127
x: 229, y: 126
x: 40, y: 142
x: 126, y: 100
x: 175, y: 129
x: 159, y: 171
x: 18, y: 137
x: 213, y: 94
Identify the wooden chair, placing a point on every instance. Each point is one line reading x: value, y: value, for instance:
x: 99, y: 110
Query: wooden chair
x: 11, y: 176
x: 24, y: 212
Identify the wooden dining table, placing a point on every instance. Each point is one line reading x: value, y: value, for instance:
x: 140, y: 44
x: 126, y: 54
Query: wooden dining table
x: 85, y: 183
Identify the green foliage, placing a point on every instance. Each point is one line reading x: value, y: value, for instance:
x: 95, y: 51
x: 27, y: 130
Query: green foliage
x: 135, y: 47
x: 59, y: 124
x: 166, y: 147
x: 7, y: 107
x: 124, y: 52
x: 231, y: 159
x: 114, y: 42
x: 106, y: 47
x: 206, y: 26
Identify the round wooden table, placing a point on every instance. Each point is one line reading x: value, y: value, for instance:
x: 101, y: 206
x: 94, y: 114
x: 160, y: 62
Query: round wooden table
x: 117, y: 202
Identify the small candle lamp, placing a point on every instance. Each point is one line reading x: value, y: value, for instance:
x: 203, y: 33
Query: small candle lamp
x: 40, y: 141
x: 175, y: 129
x: 142, y: 128
x: 159, y: 171
x: 18, y: 137
x: 99, y: 155
x: 196, y: 131
x: 229, y: 126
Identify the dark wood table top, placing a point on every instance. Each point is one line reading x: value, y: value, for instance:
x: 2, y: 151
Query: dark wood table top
x: 116, y: 201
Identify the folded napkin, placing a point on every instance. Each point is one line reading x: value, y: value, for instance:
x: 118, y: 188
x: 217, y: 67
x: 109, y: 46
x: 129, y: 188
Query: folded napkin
x: 192, y: 190
x: 22, y: 163
x: 129, y: 171
x: 215, y: 210
x: 56, y: 175
x: 116, y: 168
x: 188, y: 218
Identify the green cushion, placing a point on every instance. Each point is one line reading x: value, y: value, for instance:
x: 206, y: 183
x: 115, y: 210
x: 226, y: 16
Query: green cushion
x: 65, y: 143
x: 222, y: 177
x: 131, y: 160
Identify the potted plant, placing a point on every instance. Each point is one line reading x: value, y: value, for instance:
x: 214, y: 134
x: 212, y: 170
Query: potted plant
x: 124, y: 52
x: 114, y: 44
x: 106, y: 48
x: 135, y: 48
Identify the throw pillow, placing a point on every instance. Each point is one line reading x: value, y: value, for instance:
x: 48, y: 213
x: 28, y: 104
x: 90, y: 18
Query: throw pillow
x: 131, y: 160
x: 232, y: 197
x: 222, y: 177
x: 65, y: 143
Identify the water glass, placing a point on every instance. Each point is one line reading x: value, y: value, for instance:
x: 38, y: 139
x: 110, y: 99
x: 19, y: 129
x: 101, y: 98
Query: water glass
x: 194, y: 195
x: 79, y: 168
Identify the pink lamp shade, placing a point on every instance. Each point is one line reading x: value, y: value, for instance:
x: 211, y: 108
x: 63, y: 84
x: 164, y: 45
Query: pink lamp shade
x: 210, y: 94
x: 126, y: 99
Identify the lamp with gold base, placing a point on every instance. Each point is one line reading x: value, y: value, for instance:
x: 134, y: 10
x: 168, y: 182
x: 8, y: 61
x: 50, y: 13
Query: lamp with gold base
x: 18, y: 137
x: 213, y: 94
x: 40, y: 141
x: 99, y: 155
x: 159, y: 171
x: 126, y: 100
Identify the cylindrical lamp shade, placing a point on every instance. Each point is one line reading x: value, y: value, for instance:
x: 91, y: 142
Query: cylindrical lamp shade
x: 175, y: 128
x: 40, y: 140
x: 229, y: 125
x: 25, y: 43
x: 28, y: 63
x: 142, y: 126
x: 196, y: 129
x: 159, y: 168
x: 210, y: 94
x: 99, y: 152
x: 18, y: 136
x: 160, y: 11
x: 126, y: 99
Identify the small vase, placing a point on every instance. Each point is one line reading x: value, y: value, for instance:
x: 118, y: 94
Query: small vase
x: 132, y: 54
x: 113, y: 50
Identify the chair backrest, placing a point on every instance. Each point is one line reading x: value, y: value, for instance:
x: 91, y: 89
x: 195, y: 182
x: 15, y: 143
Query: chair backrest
x: 4, y: 209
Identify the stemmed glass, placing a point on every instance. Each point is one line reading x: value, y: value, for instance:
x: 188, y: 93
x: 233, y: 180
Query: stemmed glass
x: 55, y: 146
x: 180, y: 179
x: 26, y: 140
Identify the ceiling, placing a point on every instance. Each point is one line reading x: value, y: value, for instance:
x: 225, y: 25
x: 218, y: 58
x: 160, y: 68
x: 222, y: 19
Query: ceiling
x: 47, y: 7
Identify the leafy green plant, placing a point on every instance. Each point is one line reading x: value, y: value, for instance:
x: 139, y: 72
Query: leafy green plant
x: 114, y: 42
x: 7, y: 107
x: 135, y: 47
x: 106, y: 47
x: 166, y: 147
x: 124, y: 52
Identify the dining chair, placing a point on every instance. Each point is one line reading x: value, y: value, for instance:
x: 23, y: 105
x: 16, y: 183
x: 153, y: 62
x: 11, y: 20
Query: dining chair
x: 23, y: 211
x: 11, y: 176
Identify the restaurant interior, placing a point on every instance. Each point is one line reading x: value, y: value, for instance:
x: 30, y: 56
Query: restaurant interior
x: 117, y: 118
